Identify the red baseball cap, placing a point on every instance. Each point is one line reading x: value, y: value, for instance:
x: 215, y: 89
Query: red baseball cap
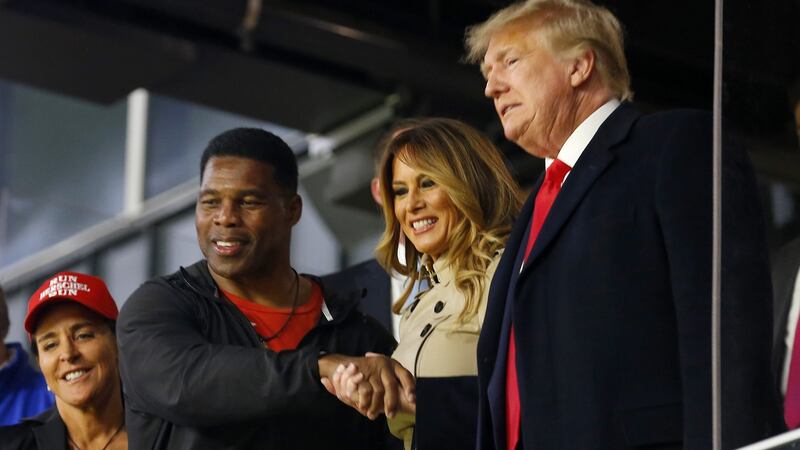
x: 86, y: 290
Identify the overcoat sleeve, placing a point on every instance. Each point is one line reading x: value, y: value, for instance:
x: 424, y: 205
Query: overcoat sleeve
x: 684, y: 207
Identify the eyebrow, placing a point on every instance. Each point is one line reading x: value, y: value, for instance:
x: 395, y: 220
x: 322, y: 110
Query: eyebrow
x: 208, y: 192
x: 243, y: 193
x: 72, y: 329
x: 500, y: 55
x: 419, y: 176
x: 45, y: 336
x: 252, y: 192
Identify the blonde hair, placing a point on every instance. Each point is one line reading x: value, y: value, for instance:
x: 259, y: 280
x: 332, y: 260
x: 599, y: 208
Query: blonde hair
x: 567, y: 27
x: 472, y: 172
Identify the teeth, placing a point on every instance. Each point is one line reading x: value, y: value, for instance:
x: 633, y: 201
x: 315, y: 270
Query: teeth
x: 226, y: 243
x: 73, y: 375
x: 417, y: 224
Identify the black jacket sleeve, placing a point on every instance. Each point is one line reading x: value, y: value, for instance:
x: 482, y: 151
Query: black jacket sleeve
x: 170, y: 370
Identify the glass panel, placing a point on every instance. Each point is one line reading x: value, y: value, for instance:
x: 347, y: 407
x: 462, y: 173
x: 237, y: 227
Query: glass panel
x: 17, y: 307
x: 315, y: 249
x: 176, y: 244
x: 125, y: 266
x: 61, y: 167
x: 178, y: 134
x: 760, y: 87
x: 761, y: 104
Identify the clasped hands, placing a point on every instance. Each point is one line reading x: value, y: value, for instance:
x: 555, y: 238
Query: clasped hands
x: 371, y: 384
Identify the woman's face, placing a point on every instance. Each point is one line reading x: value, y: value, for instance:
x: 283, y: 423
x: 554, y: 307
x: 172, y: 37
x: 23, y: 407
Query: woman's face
x: 77, y: 354
x: 423, y: 208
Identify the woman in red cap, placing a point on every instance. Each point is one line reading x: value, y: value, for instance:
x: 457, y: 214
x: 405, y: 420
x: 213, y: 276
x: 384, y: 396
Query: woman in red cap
x: 71, y: 320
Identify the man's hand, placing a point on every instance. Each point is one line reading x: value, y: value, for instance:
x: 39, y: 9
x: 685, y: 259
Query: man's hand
x: 371, y: 384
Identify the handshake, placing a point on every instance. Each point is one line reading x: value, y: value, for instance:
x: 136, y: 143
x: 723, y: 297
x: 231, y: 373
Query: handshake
x: 371, y: 384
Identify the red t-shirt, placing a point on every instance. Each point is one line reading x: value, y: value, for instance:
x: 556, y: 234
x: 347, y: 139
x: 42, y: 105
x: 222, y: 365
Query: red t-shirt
x: 267, y: 321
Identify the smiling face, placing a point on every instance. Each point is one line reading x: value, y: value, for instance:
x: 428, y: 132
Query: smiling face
x: 424, y: 210
x: 530, y: 88
x: 77, y: 353
x: 243, y: 218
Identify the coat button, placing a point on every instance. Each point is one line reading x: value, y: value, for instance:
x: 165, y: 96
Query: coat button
x: 439, y: 307
x: 425, y: 330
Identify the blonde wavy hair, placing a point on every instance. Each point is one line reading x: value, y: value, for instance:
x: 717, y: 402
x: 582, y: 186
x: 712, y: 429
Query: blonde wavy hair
x: 567, y: 27
x: 472, y: 172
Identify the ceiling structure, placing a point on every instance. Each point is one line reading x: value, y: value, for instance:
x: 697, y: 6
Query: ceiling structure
x: 317, y: 64
x: 311, y: 64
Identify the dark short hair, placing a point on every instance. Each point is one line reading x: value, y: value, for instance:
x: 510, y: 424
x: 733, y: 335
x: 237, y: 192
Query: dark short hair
x: 258, y: 145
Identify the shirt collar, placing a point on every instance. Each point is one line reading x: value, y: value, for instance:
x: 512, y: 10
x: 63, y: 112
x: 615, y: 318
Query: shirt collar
x: 577, y: 142
x: 436, y: 270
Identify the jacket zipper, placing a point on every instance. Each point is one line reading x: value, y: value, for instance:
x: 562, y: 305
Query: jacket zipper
x: 241, y: 315
x: 322, y: 322
x: 228, y: 304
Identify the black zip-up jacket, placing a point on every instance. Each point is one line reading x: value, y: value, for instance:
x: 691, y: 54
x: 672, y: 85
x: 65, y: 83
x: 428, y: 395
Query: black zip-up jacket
x: 43, y: 432
x: 196, y: 375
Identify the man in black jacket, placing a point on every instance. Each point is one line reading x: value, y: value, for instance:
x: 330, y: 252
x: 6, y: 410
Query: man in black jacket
x: 228, y: 353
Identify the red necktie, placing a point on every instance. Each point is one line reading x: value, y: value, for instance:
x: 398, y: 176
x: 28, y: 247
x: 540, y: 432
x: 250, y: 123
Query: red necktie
x: 791, y: 403
x: 544, y: 200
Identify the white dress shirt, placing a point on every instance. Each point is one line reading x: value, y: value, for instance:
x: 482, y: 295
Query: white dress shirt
x: 577, y: 142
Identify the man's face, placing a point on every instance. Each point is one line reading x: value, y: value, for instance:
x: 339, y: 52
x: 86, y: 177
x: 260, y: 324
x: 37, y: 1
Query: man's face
x: 530, y: 88
x: 243, y: 217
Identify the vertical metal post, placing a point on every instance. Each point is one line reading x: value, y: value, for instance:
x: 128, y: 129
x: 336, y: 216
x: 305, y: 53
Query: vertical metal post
x: 136, y: 150
x: 716, y: 257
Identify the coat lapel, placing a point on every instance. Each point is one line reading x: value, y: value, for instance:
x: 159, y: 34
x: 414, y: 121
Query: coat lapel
x: 523, y: 233
x: 493, y: 341
x: 52, y: 433
x: 593, y: 162
x: 503, y: 280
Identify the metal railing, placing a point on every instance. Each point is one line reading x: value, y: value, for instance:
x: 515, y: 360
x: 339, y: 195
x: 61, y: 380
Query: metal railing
x: 139, y: 215
x: 790, y: 439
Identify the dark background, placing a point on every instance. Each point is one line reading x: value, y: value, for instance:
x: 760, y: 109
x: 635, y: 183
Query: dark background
x: 316, y: 64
